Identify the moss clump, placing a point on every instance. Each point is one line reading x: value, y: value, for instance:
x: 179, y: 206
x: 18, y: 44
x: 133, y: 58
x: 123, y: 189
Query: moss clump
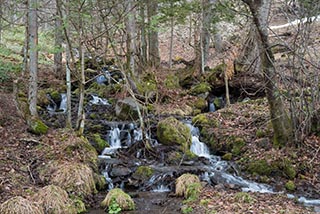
x: 76, y: 179
x: 99, y: 143
x: 183, y: 183
x: 193, y: 191
x: 260, y: 133
x: 200, y: 120
x: 200, y: 104
x: 218, y: 102
x: 172, y: 82
x: 55, y: 200
x: 200, y: 89
x: 236, y: 144
x: 260, y: 167
x: 227, y: 156
x: 100, y: 181
x: 288, y: 168
x: 37, y: 126
x: 290, y: 186
x: 170, y: 131
x: 19, y: 205
x: 143, y: 172
x: 243, y: 197
x: 122, y: 199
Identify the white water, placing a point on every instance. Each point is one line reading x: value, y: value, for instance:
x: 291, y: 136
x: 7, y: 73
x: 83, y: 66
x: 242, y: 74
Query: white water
x: 199, y: 148
x: 113, y: 140
x: 99, y: 101
x: 212, y: 107
x: 296, y: 22
x: 161, y: 188
x: 63, y: 103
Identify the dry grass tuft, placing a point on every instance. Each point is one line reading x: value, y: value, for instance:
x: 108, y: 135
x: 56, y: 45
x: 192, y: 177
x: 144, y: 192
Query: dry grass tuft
x: 55, y: 200
x: 183, y: 182
x: 116, y: 195
x: 75, y: 178
x: 19, y: 205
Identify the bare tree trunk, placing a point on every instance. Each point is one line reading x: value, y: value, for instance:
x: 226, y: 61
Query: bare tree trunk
x: 81, y: 113
x: 280, y: 120
x: 26, y: 42
x: 171, y: 42
x: 1, y: 14
x: 205, y: 32
x: 143, y: 35
x: 58, y: 41
x: 154, y: 55
x: 33, y: 65
x: 131, y: 36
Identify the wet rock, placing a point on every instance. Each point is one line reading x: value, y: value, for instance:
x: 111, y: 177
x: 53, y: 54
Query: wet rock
x: 127, y: 109
x: 119, y: 171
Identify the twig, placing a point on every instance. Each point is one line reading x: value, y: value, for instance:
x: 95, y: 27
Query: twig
x: 31, y: 175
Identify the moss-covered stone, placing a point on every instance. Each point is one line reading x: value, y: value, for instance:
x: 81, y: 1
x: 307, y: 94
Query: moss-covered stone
x: 186, y: 181
x: 236, y: 145
x: 200, y: 88
x: 290, y: 186
x: 170, y: 131
x: 37, y: 126
x: 200, y: 104
x: 99, y: 143
x: 172, y: 82
x: 100, y: 181
x: 127, y: 109
x: 204, y: 120
x: 227, y: 156
x: 19, y: 205
x: 287, y: 167
x: 143, y: 172
x: 123, y: 200
x: 260, y: 167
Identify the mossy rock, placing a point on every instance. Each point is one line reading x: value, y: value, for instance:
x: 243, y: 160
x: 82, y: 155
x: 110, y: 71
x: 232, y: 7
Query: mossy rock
x: 287, y: 168
x: 43, y: 100
x: 19, y: 205
x: 99, y: 143
x: 171, y: 82
x: 227, y: 157
x: 193, y: 191
x: 200, y: 104
x: 54, y: 200
x: 200, y: 88
x: 76, y: 179
x: 216, y: 75
x: 290, y: 186
x: 203, y: 120
x: 100, y: 181
x: 236, y: 145
x: 122, y: 199
x: 143, y: 172
x: 186, y: 77
x: 171, y: 132
x: 37, y: 126
x: 260, y: 167
x: 127, y: 109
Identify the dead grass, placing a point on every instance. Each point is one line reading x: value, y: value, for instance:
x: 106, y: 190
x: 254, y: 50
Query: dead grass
x: 19, y: 205
x: 75, y: 178
x: 183, y: 182
x: 55, y: 200
x: 116, y: 195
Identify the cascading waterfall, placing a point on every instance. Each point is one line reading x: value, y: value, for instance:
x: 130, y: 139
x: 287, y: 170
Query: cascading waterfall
x: 63, y: 103
x: 99, y: 101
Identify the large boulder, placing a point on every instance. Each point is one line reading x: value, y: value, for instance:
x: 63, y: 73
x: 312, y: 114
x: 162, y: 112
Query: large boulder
x: 19, y: 205
x: 171, y: 131
x: 127, y: 109
x: 117, y: 199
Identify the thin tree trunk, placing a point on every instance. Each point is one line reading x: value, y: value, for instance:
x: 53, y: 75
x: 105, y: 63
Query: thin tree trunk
x: 33, y: 65
x: 1, y: 14
x: 171, y: 42
x: 131, y: 37
x: 143, y: 35
x: 81, y: 113
x: 282, y: 126
x: 26, y: 42
x: 58, y: 41
x: 154, y: 55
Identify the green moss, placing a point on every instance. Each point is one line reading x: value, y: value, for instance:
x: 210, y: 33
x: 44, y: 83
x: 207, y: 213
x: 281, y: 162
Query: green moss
x: 143, y: 172
x: 201, y: 88
x: 260, y: 133
x: 227, y: 156
x: 243, y: 197
x: 99, y: 143
x: 170, y: 131
x: 260, y: 167
x: 100, y: 181
x: 79, y: 204
x: 290, y: 186
x: 218, y: 103
x: 203, y: 120
x: 172, y: 82
x: 193, y: 191
x: 200, y: 104
x: 37, y: 126
x: 121, y: 198
x: 237, y: 144
x: 288, y: 168
x: 55, y: 95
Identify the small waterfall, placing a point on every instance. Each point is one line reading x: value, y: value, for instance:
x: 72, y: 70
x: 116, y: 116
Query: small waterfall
x: 161, y: 188
x: 105, y: 77
x: 114, y: 141
x: 63, y: 103
x: 199, y: 148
